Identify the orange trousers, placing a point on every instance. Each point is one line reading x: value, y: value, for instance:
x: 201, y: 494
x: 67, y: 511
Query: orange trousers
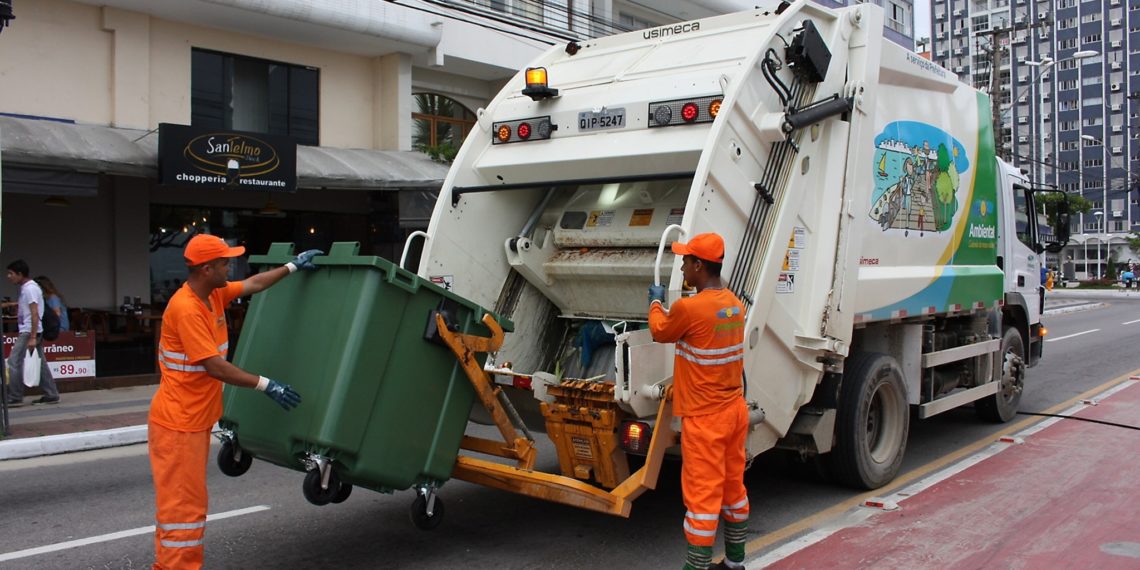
x: 712, y: 471
x: 178, y: 464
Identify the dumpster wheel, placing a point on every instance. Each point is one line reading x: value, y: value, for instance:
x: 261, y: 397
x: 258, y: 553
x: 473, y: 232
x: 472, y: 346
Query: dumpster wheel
x: 316, y: 495
x: 232, y: 460
x: 421, y: 517
x: 342, y: 493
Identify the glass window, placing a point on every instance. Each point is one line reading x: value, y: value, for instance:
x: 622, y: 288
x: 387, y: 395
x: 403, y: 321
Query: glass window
x: 244, y: 93
x: 441, y: 124
x: 1026, y: 231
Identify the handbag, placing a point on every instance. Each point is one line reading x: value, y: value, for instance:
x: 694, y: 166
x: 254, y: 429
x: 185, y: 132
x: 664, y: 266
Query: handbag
x: 32, y: 368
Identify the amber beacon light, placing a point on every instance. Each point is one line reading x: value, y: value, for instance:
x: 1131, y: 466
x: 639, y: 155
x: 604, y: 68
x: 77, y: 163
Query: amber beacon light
x: 536, y: 84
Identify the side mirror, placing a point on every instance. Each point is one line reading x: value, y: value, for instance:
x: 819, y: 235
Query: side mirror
x: 1064, y: 219
x: 1061, y: 232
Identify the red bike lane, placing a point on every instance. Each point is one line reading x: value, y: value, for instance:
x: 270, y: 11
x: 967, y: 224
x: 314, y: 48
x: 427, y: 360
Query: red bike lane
x: 1065, y: 494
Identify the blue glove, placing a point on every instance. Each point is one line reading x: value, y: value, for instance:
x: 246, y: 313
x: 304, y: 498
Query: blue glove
x: 283, y: 394
x: 304, y: 260
x: 656, y: 293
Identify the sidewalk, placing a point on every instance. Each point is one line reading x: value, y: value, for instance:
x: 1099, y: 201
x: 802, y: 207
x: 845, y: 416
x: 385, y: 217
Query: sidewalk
x: 89, y: 419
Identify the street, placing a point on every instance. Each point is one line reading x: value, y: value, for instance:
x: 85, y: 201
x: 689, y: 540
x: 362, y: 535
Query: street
x: 100, y: 503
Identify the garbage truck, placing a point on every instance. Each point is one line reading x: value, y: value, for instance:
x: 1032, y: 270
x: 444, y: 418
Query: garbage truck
x: 887, y: 260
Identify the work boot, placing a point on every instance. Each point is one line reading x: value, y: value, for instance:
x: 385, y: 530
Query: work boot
x: 15, y: 403
x: 46, y: 400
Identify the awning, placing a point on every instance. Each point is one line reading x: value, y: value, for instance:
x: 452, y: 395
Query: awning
x: 71, y: 147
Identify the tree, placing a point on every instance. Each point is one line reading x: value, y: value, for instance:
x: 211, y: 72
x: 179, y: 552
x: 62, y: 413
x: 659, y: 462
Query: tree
x: 1077, y: 204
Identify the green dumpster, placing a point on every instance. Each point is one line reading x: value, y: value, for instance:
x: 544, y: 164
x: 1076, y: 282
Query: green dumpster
x: 384, y: 407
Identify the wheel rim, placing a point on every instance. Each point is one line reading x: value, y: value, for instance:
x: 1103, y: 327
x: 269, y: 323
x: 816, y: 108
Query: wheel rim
x: 1013, y: 373
x: 884, y: 424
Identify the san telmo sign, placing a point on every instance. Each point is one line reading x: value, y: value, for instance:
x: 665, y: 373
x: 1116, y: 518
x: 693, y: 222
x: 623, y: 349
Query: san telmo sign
x: 195, y: 157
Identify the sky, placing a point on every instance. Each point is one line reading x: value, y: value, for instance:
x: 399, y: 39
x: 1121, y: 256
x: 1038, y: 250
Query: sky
x: 921, y: 19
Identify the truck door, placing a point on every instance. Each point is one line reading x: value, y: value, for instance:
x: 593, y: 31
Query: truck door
x: 1023, y: 263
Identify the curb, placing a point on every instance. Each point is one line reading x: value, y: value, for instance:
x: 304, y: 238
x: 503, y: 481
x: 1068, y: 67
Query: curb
x: 24, y: 448
x: 1072, y: 309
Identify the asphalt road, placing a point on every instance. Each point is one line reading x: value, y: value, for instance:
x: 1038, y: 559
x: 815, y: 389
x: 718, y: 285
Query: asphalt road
x: 103, y: 500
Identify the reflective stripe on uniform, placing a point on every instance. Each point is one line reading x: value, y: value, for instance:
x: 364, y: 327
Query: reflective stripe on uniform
x: 701, y: 517
x: 177, y: 355
x: 709, y: 351
x: 182, y: 526
x: 183, y: 367
x: 697, y: 532
x: 181, y: 543
x: 739, y: 505
x: 709, y: 361
x: 224, y: 347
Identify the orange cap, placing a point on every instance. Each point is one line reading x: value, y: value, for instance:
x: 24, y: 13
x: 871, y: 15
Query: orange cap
x: 205, y: 247
x: 709, y: 247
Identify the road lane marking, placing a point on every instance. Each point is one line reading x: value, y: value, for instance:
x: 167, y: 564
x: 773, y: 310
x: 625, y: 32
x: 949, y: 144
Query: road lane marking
x: 1071, y: 335
x: 1130, y: 322
x: 817, y: 520
x: 117, y: 535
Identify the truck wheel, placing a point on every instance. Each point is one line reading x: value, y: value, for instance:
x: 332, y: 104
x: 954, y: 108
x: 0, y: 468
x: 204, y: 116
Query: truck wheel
x: 313, y: 492
x: 1002, y: 407
x: 232, y: 460
x: 872, y: 422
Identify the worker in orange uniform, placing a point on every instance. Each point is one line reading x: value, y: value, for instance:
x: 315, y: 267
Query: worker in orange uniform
x: 192, y: 358
x: 708, y: 396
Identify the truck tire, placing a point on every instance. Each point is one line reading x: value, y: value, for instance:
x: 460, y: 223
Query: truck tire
x: 1002, y: 407
x: 872, y: 422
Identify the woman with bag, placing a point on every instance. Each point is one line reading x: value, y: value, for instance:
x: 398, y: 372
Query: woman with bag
x: 30, y: 309
x: 54, y: 301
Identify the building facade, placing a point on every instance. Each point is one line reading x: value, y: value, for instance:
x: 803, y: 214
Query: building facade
x: 898, y: 17
x: 1066, y: 71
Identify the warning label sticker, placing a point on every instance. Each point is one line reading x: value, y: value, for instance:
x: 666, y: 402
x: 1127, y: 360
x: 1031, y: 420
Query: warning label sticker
x: 600, y: 219
x: 444, y: 281
x: 786, y: 283
x: 641, y: 217
x: 792, y: 260
x: 582, y: 447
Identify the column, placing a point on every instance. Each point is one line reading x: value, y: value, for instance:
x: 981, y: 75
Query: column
x: 392, y: 102
x: 130, y: 67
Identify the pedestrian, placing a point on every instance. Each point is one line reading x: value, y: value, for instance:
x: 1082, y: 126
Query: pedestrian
x: 54, y: 301
x: 1128, y: 276
x: 29, y: 312
x: 708, y: 396
x: 192, y: 360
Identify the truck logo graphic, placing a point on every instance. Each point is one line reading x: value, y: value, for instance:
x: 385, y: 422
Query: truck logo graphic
x: 917, y: 174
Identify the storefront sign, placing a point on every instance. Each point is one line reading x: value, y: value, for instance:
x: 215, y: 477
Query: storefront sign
x: 193, y: 157
x: 70, y: 356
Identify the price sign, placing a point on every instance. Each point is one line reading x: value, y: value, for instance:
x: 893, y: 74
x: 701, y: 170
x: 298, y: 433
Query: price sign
x: 72, y: 355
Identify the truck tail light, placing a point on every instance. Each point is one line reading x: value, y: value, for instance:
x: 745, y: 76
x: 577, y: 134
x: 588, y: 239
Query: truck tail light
x: 689, y: 112
x: 522, y: 130
x: 635, y: 436
x: 1044, y: 331
x: 685, y: 111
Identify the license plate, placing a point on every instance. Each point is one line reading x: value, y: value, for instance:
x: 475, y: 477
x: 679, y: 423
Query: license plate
x: 606, y: 119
